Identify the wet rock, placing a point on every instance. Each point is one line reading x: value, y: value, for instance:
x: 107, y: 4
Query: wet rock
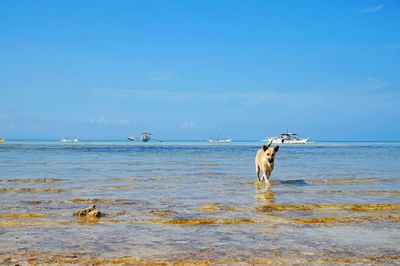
x: 90, y: 211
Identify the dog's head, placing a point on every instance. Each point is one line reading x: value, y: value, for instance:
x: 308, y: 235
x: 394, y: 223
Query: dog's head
x: 269, y: 153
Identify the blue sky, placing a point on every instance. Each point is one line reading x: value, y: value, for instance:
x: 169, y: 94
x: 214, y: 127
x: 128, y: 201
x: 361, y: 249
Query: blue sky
x: 329, y: 70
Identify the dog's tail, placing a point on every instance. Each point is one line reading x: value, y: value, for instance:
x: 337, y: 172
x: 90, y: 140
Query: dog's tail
x: 269, y: 142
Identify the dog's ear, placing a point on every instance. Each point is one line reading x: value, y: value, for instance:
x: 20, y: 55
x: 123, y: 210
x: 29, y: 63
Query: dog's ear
x: 276, y: 148
x: 265, y: 147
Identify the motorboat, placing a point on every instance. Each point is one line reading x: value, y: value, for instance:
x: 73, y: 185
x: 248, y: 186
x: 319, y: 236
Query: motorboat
x: 287, y: 138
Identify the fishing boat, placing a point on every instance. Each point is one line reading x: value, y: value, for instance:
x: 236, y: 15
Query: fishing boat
x: 64, y: 140
x: 145, y: 137
x: 2, y: 140
x: 288, y: 138
x: 219, y: 140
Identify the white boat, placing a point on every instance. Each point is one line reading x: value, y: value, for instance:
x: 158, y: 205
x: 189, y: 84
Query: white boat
x: 69, y: 140
x: 219, y: 140
x: 145, y: 137
x: 288, y: 138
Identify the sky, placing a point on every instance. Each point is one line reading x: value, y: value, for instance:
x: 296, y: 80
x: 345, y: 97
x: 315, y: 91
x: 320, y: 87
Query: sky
x: 328, y: 70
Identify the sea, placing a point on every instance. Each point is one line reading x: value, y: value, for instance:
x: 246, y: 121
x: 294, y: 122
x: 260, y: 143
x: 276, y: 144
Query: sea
x: 199, y: 203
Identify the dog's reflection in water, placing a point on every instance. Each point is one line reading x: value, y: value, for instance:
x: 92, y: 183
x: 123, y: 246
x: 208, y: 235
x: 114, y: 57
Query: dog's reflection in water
x: 263, y: 196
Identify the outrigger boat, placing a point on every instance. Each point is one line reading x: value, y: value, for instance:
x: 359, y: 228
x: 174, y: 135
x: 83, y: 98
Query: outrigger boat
x: 146, y: 137
x: 69, y: 140
x: 287, y: 138
x: 219, y: 140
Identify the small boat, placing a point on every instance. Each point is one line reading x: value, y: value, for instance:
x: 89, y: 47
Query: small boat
x: 219, y: 140
x: 69, y: 140
x: 2, y: 140
x: 288, y: 138
x: 145, y: 137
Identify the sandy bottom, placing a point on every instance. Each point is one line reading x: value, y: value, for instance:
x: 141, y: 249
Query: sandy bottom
x: 42, y: 230
x: 199, y: 205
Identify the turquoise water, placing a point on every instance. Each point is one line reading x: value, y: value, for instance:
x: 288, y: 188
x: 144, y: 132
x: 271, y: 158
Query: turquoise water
x: 198, y: 202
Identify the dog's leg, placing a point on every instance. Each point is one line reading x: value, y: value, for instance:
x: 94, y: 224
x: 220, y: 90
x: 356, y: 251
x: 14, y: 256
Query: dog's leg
x: 263, y: 177
x: 258, y: 172
x: 264, y: 173
x: 267, y: 183
x: 266, y: 176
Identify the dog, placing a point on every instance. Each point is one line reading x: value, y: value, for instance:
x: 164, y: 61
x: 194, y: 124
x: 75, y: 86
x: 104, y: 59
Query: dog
x: 264, y: 160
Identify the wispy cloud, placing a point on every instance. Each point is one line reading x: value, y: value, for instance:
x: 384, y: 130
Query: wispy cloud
x: 377, y: 86
x: 160, y: 76
x: 373, y: 86
x: 103, y: 121
x: 188, y: 125
x: 4, y: 117
x: 372, y: 9
x: 250, y: 98
x: 199, y: 96
x: 392, y: 46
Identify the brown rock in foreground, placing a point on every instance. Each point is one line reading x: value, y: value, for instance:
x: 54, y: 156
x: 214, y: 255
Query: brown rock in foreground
x: 90, y: 211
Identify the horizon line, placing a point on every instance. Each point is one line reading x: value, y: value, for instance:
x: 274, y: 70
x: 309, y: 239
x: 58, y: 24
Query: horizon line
x: 188, y: 140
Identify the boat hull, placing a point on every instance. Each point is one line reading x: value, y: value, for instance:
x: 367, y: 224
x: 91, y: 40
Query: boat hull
x: 288, y: 141
x: 69, y: 140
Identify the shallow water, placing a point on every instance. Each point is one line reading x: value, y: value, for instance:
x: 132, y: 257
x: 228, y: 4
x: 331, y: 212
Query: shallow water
x: 198, y: 203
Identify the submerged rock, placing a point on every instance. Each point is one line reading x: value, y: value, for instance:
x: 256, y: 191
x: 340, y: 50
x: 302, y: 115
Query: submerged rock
x: 90, y: 211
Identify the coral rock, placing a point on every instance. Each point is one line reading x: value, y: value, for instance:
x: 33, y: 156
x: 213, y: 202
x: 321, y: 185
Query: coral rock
x: 90, y: 211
